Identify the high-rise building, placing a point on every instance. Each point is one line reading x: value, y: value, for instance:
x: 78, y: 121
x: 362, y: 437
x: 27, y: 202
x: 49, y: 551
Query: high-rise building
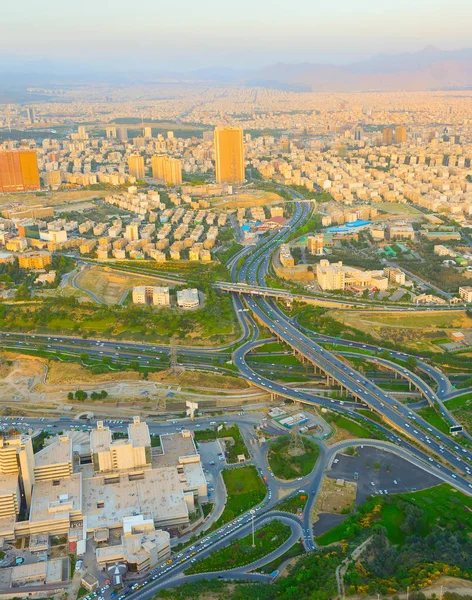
x: 229, y: 154
x: 16, y: 463
x: 82, y: 133
x: 167, y: 168
x: 387, y: 136
x: 111, y: 131
x: 122, y: 133
x: 358, y: 133
x: 400, y: 134
x: 136, y: 166
x: 147, y: 132
x: 30, y: 113
x: 19, y: 171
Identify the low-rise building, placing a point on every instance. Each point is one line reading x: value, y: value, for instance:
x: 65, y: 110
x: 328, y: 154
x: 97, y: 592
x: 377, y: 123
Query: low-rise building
x: 188, y: 298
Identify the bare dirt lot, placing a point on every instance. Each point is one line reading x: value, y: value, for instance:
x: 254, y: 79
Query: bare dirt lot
x: 36, y: 385
x: 51, y: 198
x: 247, y: 199
x: 335, y: 498
x: 110, y: 285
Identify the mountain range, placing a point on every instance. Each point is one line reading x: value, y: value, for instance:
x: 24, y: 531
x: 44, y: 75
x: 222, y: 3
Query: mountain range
x: 428, y: 69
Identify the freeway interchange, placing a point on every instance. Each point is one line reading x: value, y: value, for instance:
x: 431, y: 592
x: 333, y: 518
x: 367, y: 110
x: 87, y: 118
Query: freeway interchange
x: 407, y: 435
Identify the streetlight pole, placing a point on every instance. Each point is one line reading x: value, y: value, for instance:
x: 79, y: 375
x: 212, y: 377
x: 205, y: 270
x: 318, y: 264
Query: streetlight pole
x: 407, y: 592
x: 253, y: 512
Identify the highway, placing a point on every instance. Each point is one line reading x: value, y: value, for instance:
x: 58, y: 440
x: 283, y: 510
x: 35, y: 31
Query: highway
x: 254, y: 272
x: 420, y: 444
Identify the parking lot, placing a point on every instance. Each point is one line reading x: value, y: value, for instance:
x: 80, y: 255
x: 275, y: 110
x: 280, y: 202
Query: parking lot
x: 380, y: 472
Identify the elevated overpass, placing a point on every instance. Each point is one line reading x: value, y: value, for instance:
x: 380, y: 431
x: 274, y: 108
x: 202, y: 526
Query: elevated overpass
x: 324, y: 300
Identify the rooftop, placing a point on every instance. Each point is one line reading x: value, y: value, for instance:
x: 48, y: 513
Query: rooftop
x: 154, y: 492
x: 100, y: 438
x: 138, y: 433
x: 55, y: 498
x: 58, y: 452
x: 174, y: 446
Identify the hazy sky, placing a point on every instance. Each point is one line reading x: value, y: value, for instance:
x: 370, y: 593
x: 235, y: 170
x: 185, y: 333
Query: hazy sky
x: 180, y: 34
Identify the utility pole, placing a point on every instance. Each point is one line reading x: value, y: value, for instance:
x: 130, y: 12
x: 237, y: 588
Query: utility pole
x: 253, y: 512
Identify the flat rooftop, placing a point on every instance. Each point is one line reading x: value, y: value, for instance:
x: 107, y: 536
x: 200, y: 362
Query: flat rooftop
x: 55, y: 498
x: 8, y: 484
x: 174, y: 445
x: 156, y: 493
x: 100, y: 439
x: 138, y: 434
x: 60, y: 451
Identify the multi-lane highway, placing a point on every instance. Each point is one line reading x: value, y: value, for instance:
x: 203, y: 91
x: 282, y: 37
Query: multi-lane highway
x: 415, y: 439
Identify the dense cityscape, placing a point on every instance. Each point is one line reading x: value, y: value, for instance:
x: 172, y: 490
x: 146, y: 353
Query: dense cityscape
x: 236, y: 313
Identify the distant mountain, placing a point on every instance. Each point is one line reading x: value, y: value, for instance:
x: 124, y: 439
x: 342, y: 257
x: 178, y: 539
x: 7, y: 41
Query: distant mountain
x: 428, y: 69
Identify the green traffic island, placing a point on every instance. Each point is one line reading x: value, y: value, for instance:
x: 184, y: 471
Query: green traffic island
x: 294, y: 505
x: 290, y: 458
x: 355, y: 428
x: 273, y: 567
x: 245, y: 490
x: 241, y: 552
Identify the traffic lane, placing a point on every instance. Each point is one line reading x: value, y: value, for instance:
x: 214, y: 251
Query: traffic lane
x: 367, y: 391
x: 149, y: 592
x: 222, y: 538
x: 447, y: 475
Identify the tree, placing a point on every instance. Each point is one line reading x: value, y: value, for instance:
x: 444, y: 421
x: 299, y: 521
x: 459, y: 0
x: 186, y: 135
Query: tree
x: 412, y: 362
x: 23, y: 292
x: 70, y: 396
x: 81, y: 395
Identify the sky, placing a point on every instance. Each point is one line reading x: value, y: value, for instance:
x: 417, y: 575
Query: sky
x: 191, y: 34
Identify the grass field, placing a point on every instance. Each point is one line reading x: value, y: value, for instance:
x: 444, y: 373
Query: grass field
x: 355, y: 429
x: 459, y: 401
x: 434, y: 419
x: 245, y: 490
x: 286, y: 465
x: 442, y: 505
x: 239, y: 553
x: 294, y: 504
x: 413, y: 330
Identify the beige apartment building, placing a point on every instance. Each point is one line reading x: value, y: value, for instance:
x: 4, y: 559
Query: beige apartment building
x: 167, y: 168
x: 465, y: 293
x: 136, y: 166
x: 285, y: 256
x: 336, y: 276
x: 315, y: 244
x: 152, y: 296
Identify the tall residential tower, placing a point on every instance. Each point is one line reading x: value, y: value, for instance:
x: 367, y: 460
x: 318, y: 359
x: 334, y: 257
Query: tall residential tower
x: 229, y: 155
